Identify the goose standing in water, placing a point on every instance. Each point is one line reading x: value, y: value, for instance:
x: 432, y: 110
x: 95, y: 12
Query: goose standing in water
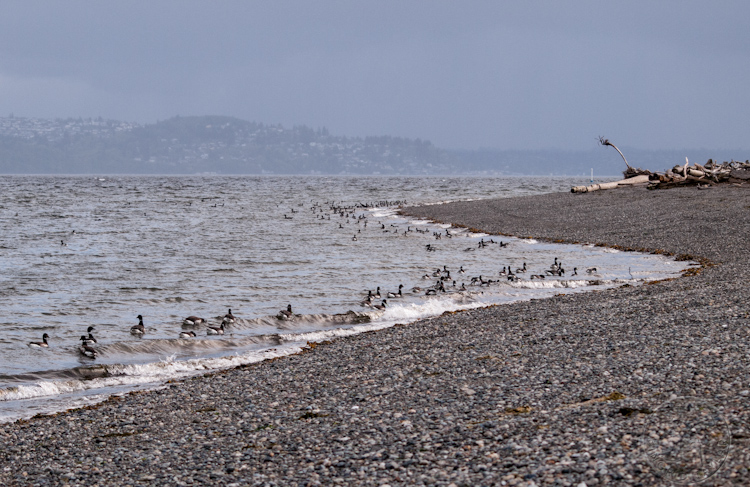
x: 86, y: 350
x: 42, y: 344
x: 286, y: 314
x: 139, y: 329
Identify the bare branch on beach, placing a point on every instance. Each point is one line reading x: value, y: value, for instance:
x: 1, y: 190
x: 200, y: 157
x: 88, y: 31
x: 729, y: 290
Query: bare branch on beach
x: 606, y: 142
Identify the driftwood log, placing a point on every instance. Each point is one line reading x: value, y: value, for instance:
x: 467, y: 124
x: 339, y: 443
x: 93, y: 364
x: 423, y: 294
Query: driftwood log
x: 640, y: 179
x: 705, y: 175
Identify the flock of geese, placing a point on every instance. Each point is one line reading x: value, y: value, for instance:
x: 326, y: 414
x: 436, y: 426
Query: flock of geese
x: 445, y: 282
x: 86, y: 348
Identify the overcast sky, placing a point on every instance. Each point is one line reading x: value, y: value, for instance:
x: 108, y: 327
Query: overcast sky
x: 462, y: 74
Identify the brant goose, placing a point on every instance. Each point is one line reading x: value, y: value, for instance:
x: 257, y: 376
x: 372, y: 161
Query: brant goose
x: 138, y: 329
x: 213, y: 330
x: 229, y: 317
x: 42, y: 344
x: 285, y: 314
x: 193, y: 320
x: 85, y: 350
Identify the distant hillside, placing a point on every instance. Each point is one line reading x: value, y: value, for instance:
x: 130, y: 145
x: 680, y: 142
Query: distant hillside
x: 225, y: 145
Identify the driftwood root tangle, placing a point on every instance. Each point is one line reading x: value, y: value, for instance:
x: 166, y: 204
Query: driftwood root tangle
x: 705, y: 175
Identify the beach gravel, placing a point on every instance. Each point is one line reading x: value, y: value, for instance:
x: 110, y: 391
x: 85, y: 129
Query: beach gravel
x: 637, y: 385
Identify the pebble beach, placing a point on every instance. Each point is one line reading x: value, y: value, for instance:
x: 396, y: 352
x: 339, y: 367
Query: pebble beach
x: 637, y: 385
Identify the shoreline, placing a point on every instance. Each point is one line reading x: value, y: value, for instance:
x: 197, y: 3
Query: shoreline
x: 566, y: 389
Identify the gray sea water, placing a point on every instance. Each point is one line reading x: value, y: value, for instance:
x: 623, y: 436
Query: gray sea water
x: 98, y: 251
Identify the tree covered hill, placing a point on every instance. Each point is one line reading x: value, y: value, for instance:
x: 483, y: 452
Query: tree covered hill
x: 226, y: 145
x: 188, y: 145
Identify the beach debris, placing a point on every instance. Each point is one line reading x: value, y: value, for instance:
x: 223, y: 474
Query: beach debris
x: 641, y: 179
x: 702, y: 176
x: 606, y: 142
x: 632, y: 175
x: 706, y: 175
x: 630, y: 172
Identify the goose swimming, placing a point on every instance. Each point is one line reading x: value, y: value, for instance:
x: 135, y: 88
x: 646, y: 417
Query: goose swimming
x: 229, y: 317
x: 286, y: 314
x: 187, y: 334
x: 213, y: 330
x: 396, y: 294
x: 86, y: 350
x: 89, y: 340
x: 193, y: 320
x: 139, y: 329
x: 42, y: 344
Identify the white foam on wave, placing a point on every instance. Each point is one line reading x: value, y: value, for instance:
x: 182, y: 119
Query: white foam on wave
x: 443, y: 202
x: 431, y: 307
x: 556, y: 283
x: 136, y: 374
x: 319, y: 335
x: 383, y: 213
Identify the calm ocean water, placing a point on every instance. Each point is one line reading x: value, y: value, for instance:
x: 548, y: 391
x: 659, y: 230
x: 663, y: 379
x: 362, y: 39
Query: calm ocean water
x: 98, y: 251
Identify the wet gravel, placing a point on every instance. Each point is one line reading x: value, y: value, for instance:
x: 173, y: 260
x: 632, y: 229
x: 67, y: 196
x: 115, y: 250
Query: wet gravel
x: 642, y: 385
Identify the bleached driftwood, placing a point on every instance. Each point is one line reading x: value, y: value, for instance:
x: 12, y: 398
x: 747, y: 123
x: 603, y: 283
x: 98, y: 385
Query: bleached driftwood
x: 642, y: 179
x: 708, y: 174
x: 630, y: 172
x: 704, y: 176
x: 606, y: 142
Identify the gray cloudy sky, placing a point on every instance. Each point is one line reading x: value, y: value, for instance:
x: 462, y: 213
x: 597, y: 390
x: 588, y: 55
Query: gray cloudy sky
x: 468, y: 74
